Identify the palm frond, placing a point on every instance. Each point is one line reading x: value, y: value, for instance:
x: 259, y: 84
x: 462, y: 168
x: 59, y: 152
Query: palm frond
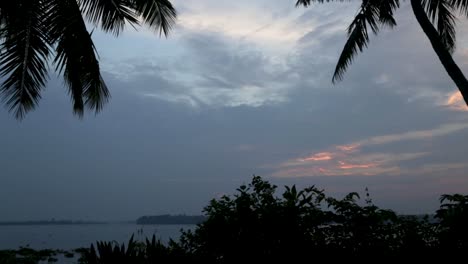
x: 76, y: 57
x: 5, y: 8
x: 386, y: 10
x: 307, y: 3
x: 25, y: 50
x: 358, y: 36
x: 460, y: 5
x: 160, y: 15
x: 372, y: 13
x: 441, y: 14
x: 110, y: 15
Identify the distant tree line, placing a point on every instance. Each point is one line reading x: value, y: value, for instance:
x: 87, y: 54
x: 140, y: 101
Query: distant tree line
x: 256, y: 226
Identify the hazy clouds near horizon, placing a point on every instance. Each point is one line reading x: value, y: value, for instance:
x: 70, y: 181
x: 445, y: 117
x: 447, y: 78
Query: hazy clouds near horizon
x: 243, y: 88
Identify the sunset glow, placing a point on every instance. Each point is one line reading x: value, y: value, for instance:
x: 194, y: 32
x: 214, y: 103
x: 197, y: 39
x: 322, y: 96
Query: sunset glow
x: 346, y: 166
x: 349, y: 148
x: 354, y: 158
x: 455, y: 102
x: 318, y: 157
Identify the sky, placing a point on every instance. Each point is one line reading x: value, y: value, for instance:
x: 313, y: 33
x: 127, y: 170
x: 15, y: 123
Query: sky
x: 242, y: 88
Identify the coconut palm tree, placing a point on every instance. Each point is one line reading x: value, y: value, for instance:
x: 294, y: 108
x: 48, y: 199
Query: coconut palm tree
x: 35, y: 34
x: 436, y: 18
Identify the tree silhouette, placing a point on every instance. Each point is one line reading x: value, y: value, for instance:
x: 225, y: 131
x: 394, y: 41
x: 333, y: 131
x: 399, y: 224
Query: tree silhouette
x: 436, y: 18
x: 258, y: 225
x: 453, y: 216
x: 35, y: 32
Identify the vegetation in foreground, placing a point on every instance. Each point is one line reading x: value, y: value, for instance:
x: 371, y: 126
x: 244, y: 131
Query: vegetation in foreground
x: 256, y: 225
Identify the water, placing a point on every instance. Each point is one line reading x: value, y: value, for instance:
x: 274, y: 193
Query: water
x: 74, y: 236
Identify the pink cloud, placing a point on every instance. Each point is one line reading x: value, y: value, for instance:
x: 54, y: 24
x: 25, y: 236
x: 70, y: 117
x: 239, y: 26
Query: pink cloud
x: 345, y: 166
x: 349, y: 148
x: 455, y: 102
x: 348, y: 159
x: 318, y: 157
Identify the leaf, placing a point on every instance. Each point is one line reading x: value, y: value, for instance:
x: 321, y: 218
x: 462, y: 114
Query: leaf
x: 110, y: 15
x: 159, y: 15
x: 372, y: 13
x: 460, y: 5
x: 440, y: 12
x: 358, y: 36
x: 76, y: 58
x: 25, y: 51
x: 307, y: 3
x: 386, y: 10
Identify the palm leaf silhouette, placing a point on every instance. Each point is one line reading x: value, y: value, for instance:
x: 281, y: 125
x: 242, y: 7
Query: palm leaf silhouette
x: 33, y: 31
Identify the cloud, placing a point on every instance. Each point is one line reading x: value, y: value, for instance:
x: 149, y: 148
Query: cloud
x: 253, y: 96
x: 455, y: 102
x: 354, y: 159
x: 370, y: 164
x: 318, y: 157
x: 216, y: 75
x: 274, y: 31
x: 240, y: 58
x: 442, y: 130
x: 248, y: 57
x: 173, y: 98
x: 261, y: 30
x: 248, y: 95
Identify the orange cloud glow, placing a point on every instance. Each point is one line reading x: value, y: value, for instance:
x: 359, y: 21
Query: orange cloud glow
x: 349, y: 148
x: 455, y: 102
x: 318, y: 157
x: 349, y: 159
x: 346, y: 166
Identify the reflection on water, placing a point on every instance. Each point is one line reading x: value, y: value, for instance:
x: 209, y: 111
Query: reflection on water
x: 75, y: 236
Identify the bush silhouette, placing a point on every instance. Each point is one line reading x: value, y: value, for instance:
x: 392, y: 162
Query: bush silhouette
x: 257, y: 225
